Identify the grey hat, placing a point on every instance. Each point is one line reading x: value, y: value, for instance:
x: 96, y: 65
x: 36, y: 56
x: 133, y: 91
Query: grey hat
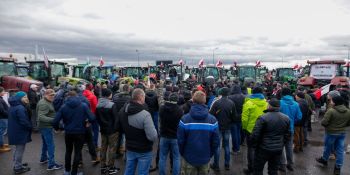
x: 274, y: 102
x: 334, y: 93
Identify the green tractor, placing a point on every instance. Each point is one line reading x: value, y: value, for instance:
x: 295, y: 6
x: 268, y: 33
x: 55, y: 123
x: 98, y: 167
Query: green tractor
x: 286, y: 75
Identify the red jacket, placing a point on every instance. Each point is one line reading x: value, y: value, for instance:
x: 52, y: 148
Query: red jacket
x: 92, y: 100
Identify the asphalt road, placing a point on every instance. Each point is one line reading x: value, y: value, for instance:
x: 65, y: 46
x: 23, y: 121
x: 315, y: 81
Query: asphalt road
x: 305, y: 163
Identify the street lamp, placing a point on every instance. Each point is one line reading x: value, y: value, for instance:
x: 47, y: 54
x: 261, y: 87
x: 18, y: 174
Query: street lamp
x: 347, y: 63
x: 213, y: 53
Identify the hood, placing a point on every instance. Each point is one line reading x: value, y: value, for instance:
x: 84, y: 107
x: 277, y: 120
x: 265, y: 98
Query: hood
x: 103, y: 102
x: 199, y: 112
x: 259, y: 96
x: 236, y: 89
x: 287, y: 100
x: 15, y: 101
x: 134, y: 108
x: 258, y: 102
x: 340, y: 108
x: 73, y: 101
x: 170, y: 106
x: 151, y: 94
x: 87, y: 93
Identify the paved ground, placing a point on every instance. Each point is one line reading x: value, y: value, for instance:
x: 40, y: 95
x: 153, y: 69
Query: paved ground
x: 304, y: 162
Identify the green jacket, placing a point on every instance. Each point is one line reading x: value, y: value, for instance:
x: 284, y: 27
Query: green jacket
x: 253, y: 108
x: 310, y: 102
x: 336, y: 119
x: 46, y: 113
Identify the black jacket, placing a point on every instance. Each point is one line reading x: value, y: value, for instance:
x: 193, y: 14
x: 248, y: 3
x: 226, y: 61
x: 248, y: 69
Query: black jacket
x: 172, y: 72
x: 120, y: 99
x: 33, y: 98
x: 238, y: 98
x: 106, y: 119
x: 271, y: 131
x: 152, y: 101
x: 224, y: 111
x: 4, y: 108
x: 187, y: 106
x: 169, y: 115
x: 304, y: 110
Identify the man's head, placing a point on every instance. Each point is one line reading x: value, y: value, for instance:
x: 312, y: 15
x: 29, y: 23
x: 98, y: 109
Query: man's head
x: 299, y: 95
x: 2, y: 91
x: 335, y: 98
x: 257, y: 90
x: 138, y: 96
x: 199, y: 97
x: 49, y: 95
x: 274, y: 103
x: 34, y: 87
x: 106, y: 93
x: 126, y: 88
x: 286, y: 91
x: 225, y: 91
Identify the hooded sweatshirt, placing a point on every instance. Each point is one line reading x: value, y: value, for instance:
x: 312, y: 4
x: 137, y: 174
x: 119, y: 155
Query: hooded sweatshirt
x: 336, y: 119
x: 253, y: 108
x: 238, y: 98
x: 92, y: 100
x: 105, y: 117
x: 291, y: 108
x: 198, y: 135
x: 169, y: 115
x: 74, y: 114
x: 138, y: 127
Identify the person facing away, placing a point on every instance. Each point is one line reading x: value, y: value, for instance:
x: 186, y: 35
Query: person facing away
x: 4, y: 109
x: 299, y: 136
x: 169, y: 114
x: 19, y: 129
x: 198, y: 136
x: 75, y: 115
x: 335, y: 121
x: 33, y: 97
x: 270, y: 133
x: 140, y: 134
x: 46, y: 114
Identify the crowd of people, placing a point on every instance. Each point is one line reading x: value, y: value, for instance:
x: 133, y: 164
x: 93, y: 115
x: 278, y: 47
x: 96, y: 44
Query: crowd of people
x: 191, y: 125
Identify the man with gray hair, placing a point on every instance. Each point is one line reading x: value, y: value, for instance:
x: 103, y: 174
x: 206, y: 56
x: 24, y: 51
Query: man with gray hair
x: 140, y: 134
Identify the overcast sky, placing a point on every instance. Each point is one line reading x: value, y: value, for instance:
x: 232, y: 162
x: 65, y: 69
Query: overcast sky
x: 241, y: 30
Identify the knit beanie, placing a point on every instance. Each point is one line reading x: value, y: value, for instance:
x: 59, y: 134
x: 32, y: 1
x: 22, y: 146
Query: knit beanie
x: 20, y: 94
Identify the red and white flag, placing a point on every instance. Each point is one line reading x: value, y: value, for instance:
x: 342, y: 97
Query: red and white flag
x: 347, y: 64
x: 201, y: 63
x: 258, y: 63
x: 181, y: 62
x: 46, y: 59
x: 322, y: 91
x: 219, y: 63
x: 101, y: 62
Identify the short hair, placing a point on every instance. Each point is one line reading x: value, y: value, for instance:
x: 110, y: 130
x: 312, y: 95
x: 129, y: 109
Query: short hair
x: 106, y: 93
x: 257, y: 90
x: 126, y: 88
x: 1, y: 89
x: 199, y: 97
x: 286, y: 91
x: 137, y: 94
x: 72, y: 93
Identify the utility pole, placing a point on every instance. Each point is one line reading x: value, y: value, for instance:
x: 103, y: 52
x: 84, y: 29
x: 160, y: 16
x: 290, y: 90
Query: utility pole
x: 213, y: 53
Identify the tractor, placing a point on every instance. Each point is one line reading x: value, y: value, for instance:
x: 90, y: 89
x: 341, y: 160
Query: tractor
x: 286, y: 75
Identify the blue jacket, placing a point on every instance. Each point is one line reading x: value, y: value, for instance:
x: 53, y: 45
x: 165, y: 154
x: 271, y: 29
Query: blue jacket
x: 19, y: 124
x: 75, y: 114
x: 198, y: 135
x: 291, y: 108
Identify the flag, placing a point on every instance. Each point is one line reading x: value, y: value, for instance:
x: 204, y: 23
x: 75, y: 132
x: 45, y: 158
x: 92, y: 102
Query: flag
x: 101, y: 62
x: 46, y: 59
x: 322, y: 91
x: 87, y: 64
x: 258, y: 63
x: 219, y: 63
x: 181, y: 62
x: 201, y: 63
x: 347, y: 64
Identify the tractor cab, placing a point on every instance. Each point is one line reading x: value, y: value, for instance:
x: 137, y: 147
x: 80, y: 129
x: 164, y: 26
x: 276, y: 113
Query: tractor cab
x: 48, y: 75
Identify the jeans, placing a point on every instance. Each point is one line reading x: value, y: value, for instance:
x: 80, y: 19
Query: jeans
x: 289, y: 153
x: 336, y: 140
x: 261, y: 157
x: 173, y: 80
x: 3, y: 127
x: 95, y: 131
x: 34, y: 119
x: 166, y: 146
x: 140, y: 160
x: 17, y: 157
x: 91, y: 146
x: 225, y: 136
x: 236, y: 136
x: 75, y: 141
x: 155, y: 119
x: 48, y: 146
x: 305, y: 130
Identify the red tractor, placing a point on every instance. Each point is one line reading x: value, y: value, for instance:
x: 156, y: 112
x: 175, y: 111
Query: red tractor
x: 9, y: 78
x: 325, y: 72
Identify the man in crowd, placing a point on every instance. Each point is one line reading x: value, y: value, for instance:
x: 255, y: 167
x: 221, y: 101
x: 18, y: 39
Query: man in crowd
x: 3, y: 121
x: 198, y: 136
x: 33, y: 96
x: 299, y: 125
x: 140, y: 134
x: 46, y: 114
x: 270, y: 133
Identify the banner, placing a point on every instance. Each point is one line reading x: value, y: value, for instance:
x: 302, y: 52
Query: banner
x: 323, y: 71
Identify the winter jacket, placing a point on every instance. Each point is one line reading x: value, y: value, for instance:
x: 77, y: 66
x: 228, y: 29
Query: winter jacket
x: 198, y: 136
x: 310, y: 102
x: 290, y: 108
x: 74, y: 114
x: 3, y: 109
x: 336, y: 120
x: 238, y: 98
x: 105, y: 117
x: 46, y: 113
x: 271, y: 131
x: 120, y: 99
x: 152, y: 101
x: 92, y: 100
x: 172, y: 72
x: 33, y: 98
x: 304, y: 108
x: 138, y: 127
x: 169, y: 116
x: 19, y: 124
x: 224, y: 111
x: 253, y: 108
x: 187, y: 106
